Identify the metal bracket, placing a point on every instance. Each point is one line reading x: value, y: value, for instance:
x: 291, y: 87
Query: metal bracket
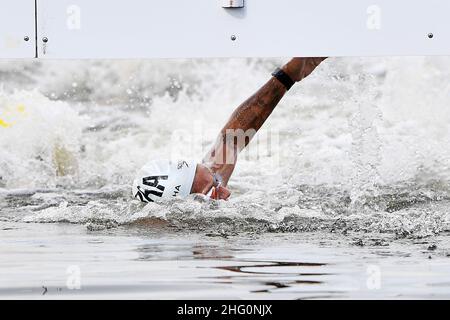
x: 233, y: 3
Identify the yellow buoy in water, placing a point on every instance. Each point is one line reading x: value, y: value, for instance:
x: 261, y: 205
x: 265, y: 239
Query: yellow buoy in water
x: 11, y: 112
x: 4, y: 124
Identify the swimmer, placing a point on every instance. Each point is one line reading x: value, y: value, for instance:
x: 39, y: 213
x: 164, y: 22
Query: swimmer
x: 163, y: 179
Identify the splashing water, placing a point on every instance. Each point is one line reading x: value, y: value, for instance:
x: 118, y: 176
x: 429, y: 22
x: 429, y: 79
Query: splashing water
x: 363, y: 144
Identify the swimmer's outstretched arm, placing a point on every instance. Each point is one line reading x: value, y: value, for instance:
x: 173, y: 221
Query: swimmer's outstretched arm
x: 249, y: 117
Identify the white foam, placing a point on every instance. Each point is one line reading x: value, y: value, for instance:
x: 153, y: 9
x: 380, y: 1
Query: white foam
x: 358, y: 127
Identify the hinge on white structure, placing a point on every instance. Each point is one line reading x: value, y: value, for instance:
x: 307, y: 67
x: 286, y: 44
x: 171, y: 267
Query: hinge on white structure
x: 232, y: 3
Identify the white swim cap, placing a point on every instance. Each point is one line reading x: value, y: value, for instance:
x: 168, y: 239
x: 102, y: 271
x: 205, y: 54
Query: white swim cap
x: 164, y: 179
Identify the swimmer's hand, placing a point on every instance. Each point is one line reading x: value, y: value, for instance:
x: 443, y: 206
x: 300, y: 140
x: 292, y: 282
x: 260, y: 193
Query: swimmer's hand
x: 220, y: 193
x: 210, y: 184
x: 300, y: 68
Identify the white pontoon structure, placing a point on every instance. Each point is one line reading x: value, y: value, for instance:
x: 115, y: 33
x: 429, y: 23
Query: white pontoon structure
x: 77, y: 29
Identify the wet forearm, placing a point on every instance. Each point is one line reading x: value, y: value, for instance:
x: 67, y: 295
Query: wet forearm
x: 252, y: 114
x: 249, y: 117
x: 243, y: 124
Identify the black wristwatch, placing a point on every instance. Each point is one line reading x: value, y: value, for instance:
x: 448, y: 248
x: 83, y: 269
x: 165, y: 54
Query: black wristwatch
x: 284, y: 78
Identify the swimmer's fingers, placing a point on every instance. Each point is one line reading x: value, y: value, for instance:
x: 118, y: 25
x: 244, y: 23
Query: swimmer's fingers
x: 214, y: 194
x: 220, y: 193
x: 223, y: 193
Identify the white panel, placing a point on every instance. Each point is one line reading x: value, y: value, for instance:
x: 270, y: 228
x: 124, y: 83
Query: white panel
x: 203, y: 28
x: 17, y: 23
